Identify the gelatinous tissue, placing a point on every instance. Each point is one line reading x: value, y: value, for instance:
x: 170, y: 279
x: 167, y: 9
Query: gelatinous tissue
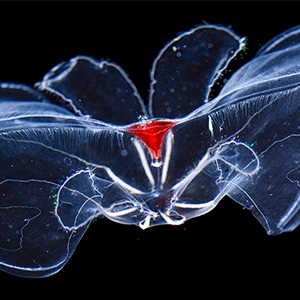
x: 81, y: 144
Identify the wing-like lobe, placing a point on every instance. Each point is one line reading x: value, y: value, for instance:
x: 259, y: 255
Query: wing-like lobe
x: 99, y: 89
x: 187, y: 67
x: 259, y: 106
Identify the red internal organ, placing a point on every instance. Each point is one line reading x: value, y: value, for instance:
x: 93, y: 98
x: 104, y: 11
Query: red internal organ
x: 152, y: 134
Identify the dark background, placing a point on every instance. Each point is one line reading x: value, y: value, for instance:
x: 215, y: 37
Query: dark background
x: 227, y: 243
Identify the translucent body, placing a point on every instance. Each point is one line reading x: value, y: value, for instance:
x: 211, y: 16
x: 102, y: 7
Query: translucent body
x: 82, y: 145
